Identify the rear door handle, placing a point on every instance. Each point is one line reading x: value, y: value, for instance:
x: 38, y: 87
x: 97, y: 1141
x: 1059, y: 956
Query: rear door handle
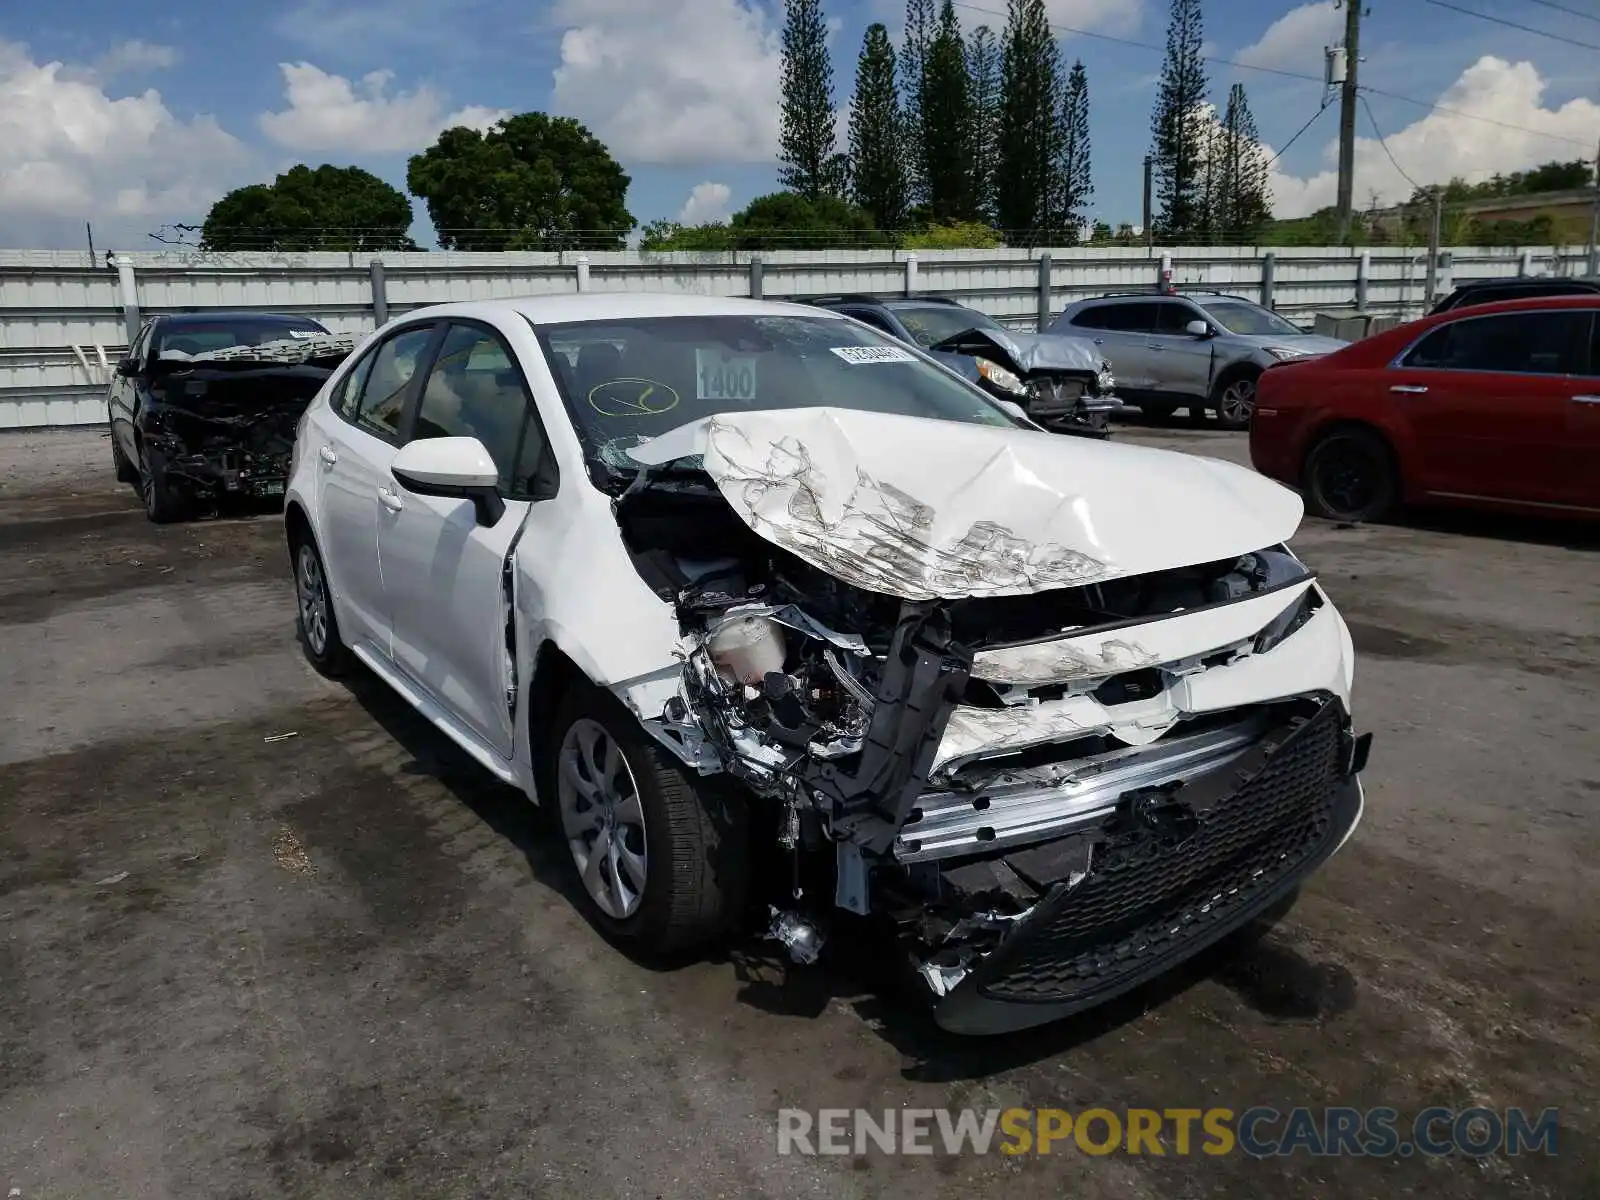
x: 390, y: 500
x: 1408, y: 389
x: 327, y: 455
x: 1586, y: 399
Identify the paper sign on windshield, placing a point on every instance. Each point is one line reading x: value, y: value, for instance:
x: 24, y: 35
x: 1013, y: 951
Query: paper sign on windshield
x: 863, y: 355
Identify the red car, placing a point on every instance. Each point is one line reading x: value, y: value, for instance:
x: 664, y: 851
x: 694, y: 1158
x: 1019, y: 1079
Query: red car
x: 1496, y: 406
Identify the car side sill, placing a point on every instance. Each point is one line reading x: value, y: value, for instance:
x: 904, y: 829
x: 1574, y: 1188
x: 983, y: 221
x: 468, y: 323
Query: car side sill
x: 501, y: 768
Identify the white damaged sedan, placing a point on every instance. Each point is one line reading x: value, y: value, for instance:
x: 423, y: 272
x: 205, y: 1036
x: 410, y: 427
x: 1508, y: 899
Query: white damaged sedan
x: 783, y: 619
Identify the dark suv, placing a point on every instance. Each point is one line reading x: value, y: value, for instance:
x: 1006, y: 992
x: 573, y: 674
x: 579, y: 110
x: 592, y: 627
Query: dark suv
x: 1523, y: 287
x: 1063, y: 383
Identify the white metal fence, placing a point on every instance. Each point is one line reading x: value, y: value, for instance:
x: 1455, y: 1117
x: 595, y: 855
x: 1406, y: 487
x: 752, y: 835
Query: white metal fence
x: 65, y: 320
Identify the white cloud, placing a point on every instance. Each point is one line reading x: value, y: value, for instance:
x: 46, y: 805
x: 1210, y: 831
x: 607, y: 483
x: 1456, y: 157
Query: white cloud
x: 707, y: 202
x: 330, y: 112
x: 680, y: 85
x: 75, y: 154
x: 1295, y: 41
x: 1442, y: 145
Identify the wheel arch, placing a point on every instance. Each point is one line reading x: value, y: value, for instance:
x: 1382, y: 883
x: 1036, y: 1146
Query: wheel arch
x: 1243, y: 368
x: 1333, y: 425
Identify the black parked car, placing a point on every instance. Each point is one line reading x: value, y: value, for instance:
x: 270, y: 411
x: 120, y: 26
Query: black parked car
x: 1523, y: 287
x: 1063, y: 383
x: 205, y: 405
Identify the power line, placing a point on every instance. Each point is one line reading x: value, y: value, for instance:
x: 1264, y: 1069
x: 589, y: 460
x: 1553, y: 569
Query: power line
x: 1571, y: 12
x: 1544, y: 33
x: 1298, y: 132
x: 1428, y: 104
x: 1371, y: 117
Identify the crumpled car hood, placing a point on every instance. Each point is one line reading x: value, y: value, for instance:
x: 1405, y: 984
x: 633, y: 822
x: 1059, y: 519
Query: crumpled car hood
x: 1028, y: 352
x: 926, y: 509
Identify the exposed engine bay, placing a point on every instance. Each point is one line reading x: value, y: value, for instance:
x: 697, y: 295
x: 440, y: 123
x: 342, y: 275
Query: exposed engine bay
x: 967, y: 766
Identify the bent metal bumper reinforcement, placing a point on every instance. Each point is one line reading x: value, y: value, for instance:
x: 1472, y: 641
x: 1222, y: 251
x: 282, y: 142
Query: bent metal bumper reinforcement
x: 1158, y: 891
x: 1030, y: 804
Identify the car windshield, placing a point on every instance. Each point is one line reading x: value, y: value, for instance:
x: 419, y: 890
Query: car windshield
x: 1239, y: 316
x: 931, y: 324
x: 179, y: 339
x: 627, y: 381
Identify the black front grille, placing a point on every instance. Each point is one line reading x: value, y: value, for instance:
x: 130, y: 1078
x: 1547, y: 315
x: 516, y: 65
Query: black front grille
x: 1152, y: 894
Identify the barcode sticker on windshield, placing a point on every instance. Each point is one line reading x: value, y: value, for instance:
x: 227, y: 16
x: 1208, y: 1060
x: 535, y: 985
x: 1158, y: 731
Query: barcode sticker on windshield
x: 862, y: 355
x: 305, y: 333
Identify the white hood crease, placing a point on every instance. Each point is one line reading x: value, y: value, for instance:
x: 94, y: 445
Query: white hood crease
x: 926, y: 509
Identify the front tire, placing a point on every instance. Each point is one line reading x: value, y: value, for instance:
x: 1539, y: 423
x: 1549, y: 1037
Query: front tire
x: 315, y: 624
x: 163, y: 502
x: 660, y: 858
x: 1235, y: 401
x: 1350, y: 476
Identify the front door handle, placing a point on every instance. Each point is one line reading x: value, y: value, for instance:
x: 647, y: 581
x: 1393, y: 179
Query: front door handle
x: 1099, y: 341
x: 390, y: 500
x: 327, y: 455
x: 1408, y: 389
x: 1586, y: 399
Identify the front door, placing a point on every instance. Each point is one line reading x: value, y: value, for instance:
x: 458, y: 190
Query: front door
x: 449, y: 595
x: 1180, y: 362
x: 354, y: 442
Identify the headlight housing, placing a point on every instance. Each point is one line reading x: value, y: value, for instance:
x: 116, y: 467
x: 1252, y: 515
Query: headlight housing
x: 1006, y: 381
x: 1283, y: 353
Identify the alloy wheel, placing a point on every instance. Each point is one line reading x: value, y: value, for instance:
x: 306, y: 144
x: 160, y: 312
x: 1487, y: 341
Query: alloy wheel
x: 602, y: 818
x: 313, y: 592
x: 1347, y: 480
x: 1238, y: 401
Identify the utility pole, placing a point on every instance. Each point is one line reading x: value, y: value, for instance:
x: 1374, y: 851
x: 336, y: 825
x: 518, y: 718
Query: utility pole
x: 1435, y: 232
x: 1149, y: 233
x: 1347, y: 117
x: 1594, y: 221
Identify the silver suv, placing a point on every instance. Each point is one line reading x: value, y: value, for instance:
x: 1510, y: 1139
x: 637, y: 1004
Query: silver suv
x: 1200, y: 350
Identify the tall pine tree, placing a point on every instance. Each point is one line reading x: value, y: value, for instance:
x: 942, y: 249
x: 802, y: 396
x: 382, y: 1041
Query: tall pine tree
x: 877, y: 151
x: 947, y: 122
x: 920, y: 29
x: 806, y: 137
x: 1244, y: 204
x: 983, y: 74
x: 1030, y: 81
x: 1178, y: 133
x: 1074, y: 181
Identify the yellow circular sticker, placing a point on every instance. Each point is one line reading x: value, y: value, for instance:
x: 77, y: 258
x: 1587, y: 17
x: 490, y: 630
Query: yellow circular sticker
x: 632, y: 398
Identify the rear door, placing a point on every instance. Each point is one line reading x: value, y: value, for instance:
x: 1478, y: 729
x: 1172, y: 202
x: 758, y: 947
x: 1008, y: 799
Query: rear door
x: 442, y: 571
x: 354, y: 444
x: 1488, y: 400
x: 1122, y: 329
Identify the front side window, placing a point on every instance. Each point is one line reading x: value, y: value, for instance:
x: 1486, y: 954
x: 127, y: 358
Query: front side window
x: 383, y: 392
x: 1175, y: 317
x: 626, y: 381
x: 475, y: 390
x: 1525, y: 343
x: 932, y: 324
x: 1250, y: 320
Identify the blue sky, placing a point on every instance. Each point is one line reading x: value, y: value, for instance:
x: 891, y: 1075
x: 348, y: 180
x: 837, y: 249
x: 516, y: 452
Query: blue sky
x: 137, y: 115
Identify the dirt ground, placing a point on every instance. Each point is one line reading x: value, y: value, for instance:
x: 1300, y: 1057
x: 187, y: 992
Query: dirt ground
x: 261, y: 935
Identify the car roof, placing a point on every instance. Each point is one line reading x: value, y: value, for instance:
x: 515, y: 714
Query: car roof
x: 1585, y: 283
x: 1527, y: 304
x: 615, y: 306
x: 225, y: 317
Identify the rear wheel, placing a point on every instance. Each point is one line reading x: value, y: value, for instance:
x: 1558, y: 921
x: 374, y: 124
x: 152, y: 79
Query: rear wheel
x: 660, y: 858
x: 1350, y: 475
x: 163, y: 502
x: 315, y: 623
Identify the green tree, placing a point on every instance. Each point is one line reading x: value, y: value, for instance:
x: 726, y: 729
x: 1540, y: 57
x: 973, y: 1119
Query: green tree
x: 983, y: 74
x: 1243, y: 205
x: 1074, y: 180
x: 947, y: 122
x: 877, y: 151
x: 787, y: 220
x: 1030, y: 80
x: 1176, y: 125
x: 920, y: 28
x: 672, y: 235
x: 532, y: 182
x: 329, y: 208
x: 806, y: 138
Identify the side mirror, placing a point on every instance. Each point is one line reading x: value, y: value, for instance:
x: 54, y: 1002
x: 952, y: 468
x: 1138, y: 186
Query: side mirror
x: 454, y: 467
x: 128, y: 367
x: 1197, y: 329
